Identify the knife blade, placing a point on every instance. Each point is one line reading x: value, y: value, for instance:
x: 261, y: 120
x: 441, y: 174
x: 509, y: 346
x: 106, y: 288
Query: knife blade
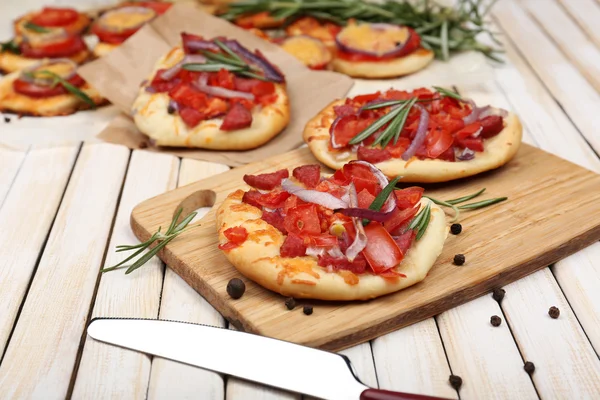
x: 252, y: 357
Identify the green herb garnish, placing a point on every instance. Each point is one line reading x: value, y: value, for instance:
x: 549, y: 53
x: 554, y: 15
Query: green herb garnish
x: 446, y: 204
x: 35, y: 28
x: 465, y: 198
x: 421, y: 221
x: 448, y: 93
x: 161, y: 239
x: 58, y: 80
x: 483, y: 203
x: 443, y: 29
x: 471, y: 206
x: 382, y: 197
x: 11, y: 46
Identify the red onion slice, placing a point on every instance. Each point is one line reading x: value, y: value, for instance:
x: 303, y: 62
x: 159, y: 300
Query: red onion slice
x: 360, y: 240
x: 395, y: 52
x: 219, y: 91
x: 390, y: 203
x: 170, y: 73
x: 479, y: 113
x: 102, y: 21
x: 193, y: 43
x: 271, y: 72
x: 420, y: 135
x: 324, y: 199
x: 466, y: 154
x: 48, y: 81
x: 368, y: 214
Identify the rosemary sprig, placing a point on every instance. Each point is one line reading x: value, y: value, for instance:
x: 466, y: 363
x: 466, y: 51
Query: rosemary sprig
x: 465, y: 198
x: 10, y: 46
x: 421, y: 221
x: 161, y: 239
x: 35, y: 28
x: 448, y: 93
x: 382, y: 197
x: 443, y: 29
x: 211, y: 67
x: 446, y: 204
x: 483, y: 203
x: 58, y: 80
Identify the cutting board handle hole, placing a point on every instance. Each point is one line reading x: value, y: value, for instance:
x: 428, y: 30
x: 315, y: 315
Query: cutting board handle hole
x: 201, y: 201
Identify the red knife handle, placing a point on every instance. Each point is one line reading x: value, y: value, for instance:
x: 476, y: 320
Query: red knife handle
x: 378, y: 394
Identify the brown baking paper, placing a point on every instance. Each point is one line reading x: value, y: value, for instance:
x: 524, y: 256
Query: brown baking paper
x: 118, y: 75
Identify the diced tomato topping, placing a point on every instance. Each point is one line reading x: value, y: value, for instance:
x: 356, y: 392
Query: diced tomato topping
x: 405, y: 240
x: 303, y: 220
x: 274, y: 218
x: 236, y: 236
x: 293, y: 246
x: 274, y: 199
x: 190, y: 116
x: 413, y: 44
x: 308, y: 175
x: 437, y: 142
x: 365, y: 198
x: 362, y: 177
x: 399, y: 219
x: 55, y: 17
x: 475, y: 144
x: 491, y: 126
x: 347, y: 128
x: 382, y: 252
x: 267, y: 181
x: 323, y: 240
x: 223, y: 78
x: 252, y: 197
x: 343, y: 110
x: 69, y: 46
x: 186, y: 95
x: 373, y: 155
x: 358, y: 266
x: 408, y: 197
x: 467, y: 131
x: 238, y: 117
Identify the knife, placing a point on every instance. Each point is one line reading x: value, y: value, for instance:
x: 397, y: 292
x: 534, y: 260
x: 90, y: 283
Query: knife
x: 252, y: 357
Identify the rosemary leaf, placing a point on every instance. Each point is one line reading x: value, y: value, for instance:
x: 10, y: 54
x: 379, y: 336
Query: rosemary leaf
x: 465, y: 198
x: 444, y: 39
x: 211, y: 67
x: 10, y: 46
x: 448, y: 93
x: 375, y: 106
x: 424, y: 223
x: 375, y: 126
x: 253, y: 75
x: 481, y: 204
x: 446, y: 204
x: 146, y: 257
x: 35, y: 28
x: 223, y: 59
x: 71, y: 88
x: 382, y: 197
x: 173, y: 222
x: 403, y: 118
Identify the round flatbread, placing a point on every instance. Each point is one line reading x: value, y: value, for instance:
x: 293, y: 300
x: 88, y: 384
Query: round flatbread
x: 11, y: 62
x: 498, y: 150
x: 259, y: 258
x: 64, y: 104
x: 409, y: 64
x: 150, y: 114
x: 101, y: 49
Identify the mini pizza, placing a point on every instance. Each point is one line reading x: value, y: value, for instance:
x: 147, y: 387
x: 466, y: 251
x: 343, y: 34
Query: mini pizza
x: 310, y: 51
x: 212, y: 94
x: 422, y: 136
x: 349, y: 236
x: 261, y: 20
x: 379, y: 51
x: 116, y: 25
x: 49, y: 88
x: 52, y: 20
x: 308, y: 26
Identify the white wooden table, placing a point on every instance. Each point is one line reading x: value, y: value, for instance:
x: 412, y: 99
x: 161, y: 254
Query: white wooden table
x: 64, y: 208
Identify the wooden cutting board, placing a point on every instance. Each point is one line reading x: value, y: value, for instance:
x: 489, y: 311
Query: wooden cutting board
x: 553, y: 210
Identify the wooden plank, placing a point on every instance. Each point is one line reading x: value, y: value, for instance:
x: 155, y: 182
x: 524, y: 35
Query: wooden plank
x: 486, y: 357
x: 10, y: 162
x: 587, y: 15
x: 532, y: 178
x: 568, y: 368
x: 107, y: 371
x: 180, y: 302
x: 582, y: 52
x: 412, y: 360
x: 23, y: 241
x: 44, y: 346
x: 564, y: 81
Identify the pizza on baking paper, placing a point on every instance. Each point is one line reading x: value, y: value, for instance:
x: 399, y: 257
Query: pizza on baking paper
x: 324, y: 31
x: 366, y: 50
x: 46, y: 34
x: 48, y: 88
x: 116, y: 25
x: 212, y: 94
x: 349, y: 236
x: 424, y: 135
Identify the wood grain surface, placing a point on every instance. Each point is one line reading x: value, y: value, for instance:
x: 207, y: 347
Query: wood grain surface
x: 496, y: 241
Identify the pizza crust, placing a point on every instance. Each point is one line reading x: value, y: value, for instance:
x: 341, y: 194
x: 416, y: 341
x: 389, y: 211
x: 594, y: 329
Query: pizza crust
x: 258, y: 258
x: 102, y: 49
x: 413, y: 62
x: 10, y: 62
x: 64, y: 104
x: 150, y: 114
x: 498, y: 150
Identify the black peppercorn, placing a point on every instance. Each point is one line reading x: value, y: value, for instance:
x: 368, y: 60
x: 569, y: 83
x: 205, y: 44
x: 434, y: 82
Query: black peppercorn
x: 171, y: 109
x: 6, y: 119
x: 529, y: 367
x: 554, y: 312
x: 455, y: 229
x: 455, y: 381
x: 236, y: 288
x: 498, y: 294
x: 290, y: 303
x: 459, y: 259
x: 308, y: 310
x: 495, y: 320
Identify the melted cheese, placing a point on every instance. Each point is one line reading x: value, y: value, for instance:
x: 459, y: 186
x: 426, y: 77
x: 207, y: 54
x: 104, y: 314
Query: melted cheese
x: 127, y: 17
x: 368, y: 38
x: 61, y: 69
x: 310, y: 51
